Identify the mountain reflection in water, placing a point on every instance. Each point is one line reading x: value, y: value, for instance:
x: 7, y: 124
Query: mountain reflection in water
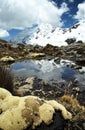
x: 43, y: 69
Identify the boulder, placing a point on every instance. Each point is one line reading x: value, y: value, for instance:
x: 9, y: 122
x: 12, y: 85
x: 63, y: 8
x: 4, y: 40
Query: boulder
x: 70, y: 40
x: 21, y: 113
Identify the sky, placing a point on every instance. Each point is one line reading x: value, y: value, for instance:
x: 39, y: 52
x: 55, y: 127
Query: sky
x: 15, y: 15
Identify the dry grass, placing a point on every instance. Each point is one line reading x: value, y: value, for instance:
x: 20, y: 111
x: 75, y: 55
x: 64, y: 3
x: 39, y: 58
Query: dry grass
x: 77, y: 111
x: 73, y: 102
x: 6, y: 79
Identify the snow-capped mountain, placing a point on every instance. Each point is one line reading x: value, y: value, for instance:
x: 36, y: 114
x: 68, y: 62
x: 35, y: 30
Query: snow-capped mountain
x: 47, y: 34
x: 25, y: 35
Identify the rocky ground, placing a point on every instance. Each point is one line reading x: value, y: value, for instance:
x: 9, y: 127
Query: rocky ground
x: 74, y: 52
x: 70, y: 94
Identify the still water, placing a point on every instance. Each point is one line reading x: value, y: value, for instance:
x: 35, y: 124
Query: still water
x: 44, y: 69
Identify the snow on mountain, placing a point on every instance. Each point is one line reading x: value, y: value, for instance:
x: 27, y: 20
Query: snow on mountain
x: 47, y: 34
x: 25, y: 35
x: 77, y: 31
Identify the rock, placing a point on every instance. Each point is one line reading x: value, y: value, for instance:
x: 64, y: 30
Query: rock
x: 50, y: 49
x: 36, y: 55
x: 81, y: 71
x: 80, y: 41
x: 23, y: 90
x: 2, y: 41
x: 36, y: 48
x: 24, y: 86
x: 7, y: 59
x: 58, y: 123
x: 84, y: 125
x: 22, y: 112
x: 80, y: 61
x: 30, y: 80
x: 70, y: 40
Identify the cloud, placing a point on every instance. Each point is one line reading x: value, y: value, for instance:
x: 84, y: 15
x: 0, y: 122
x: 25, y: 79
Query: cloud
x: 3, y: 33
x: 22, y: 13
x: 80, y: 15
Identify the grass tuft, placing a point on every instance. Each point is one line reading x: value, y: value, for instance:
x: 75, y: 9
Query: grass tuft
x: 6, y: 79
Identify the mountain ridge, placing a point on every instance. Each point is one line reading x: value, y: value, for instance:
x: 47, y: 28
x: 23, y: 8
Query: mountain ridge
x: 47, y: 34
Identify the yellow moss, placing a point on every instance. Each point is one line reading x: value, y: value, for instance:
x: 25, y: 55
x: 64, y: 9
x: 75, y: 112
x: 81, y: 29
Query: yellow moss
x: 7, y: 58
x: 37, y: 54
x: 58, y: 106
x: 21, y: 112
x: 4, y: 94
x: 46, y: 109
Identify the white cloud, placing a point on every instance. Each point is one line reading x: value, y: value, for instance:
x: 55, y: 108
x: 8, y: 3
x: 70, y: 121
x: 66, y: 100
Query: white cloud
x: 80, y: 15
x: 3, y: 33
x: 24, y: 13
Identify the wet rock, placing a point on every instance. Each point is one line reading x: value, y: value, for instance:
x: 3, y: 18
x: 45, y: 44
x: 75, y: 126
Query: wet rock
x: 81, y: 71
x: 77, y: 67
x: 57, y: 60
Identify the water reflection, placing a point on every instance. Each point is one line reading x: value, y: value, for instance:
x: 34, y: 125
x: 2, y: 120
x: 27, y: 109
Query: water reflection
x: 69, y: 73
x: 43, y: 69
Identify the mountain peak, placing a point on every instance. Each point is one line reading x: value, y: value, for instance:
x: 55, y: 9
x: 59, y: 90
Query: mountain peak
x: 47, y: 34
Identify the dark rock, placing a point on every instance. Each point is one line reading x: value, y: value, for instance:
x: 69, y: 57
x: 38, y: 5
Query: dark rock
x: 81, y: 97
x: 50, y: 49
x: 75, y: 26
x: 37, y: 48
x: 79, y: 41
x: 3, y: 41
x: 84, y: 125
x: 80, y: 61
x: 58, y: 123
x: 70, y: 40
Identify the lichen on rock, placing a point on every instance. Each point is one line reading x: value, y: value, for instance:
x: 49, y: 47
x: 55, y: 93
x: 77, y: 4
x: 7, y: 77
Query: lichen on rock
x: 7, y: 59
x: 22, y: 112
